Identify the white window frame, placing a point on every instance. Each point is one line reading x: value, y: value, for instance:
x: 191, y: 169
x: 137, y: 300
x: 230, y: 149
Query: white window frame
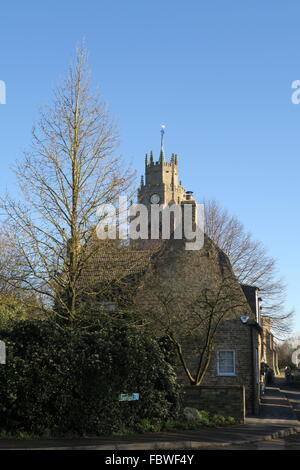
x: 226, y: 374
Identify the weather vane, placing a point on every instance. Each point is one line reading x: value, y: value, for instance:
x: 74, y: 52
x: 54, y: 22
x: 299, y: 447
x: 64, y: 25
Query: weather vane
x: 162, y: 131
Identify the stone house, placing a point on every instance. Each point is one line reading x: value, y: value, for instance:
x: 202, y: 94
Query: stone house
x: 269, y: 354
x: 181, y: 277
x: 267, y: 344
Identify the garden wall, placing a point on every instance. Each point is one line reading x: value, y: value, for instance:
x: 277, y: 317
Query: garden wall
x: 227, y: 400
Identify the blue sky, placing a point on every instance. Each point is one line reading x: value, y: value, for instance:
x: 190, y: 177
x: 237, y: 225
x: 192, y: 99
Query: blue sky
x: 217, y: 73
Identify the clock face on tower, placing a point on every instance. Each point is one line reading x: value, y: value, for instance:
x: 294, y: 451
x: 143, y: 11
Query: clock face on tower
x: 154, y: 199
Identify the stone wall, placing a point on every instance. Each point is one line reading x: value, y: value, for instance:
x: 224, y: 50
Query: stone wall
x: 226, y: 400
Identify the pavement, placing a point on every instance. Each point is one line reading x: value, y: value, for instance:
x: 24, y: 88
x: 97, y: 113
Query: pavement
x: 278, y: 419
x: 292, y: 393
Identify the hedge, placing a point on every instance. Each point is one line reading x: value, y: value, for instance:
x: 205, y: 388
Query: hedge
x: 63, y: 380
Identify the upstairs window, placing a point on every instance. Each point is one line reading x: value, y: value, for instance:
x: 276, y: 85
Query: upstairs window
x: 226, y: 362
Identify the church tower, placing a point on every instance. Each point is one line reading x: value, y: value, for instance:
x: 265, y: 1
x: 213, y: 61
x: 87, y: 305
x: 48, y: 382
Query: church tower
x: 161, y: 187
x: 161, y: 184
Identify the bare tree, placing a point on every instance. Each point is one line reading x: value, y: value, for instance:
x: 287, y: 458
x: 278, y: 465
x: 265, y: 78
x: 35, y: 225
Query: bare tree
x: 8, y: 260
x: 192, y: 326
x: 285, y: 352
x: 15, y: 304
x: 70, y: 170
x: 251, y: 264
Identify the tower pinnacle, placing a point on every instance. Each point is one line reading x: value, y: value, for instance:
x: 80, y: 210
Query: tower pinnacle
x: 162, y: 152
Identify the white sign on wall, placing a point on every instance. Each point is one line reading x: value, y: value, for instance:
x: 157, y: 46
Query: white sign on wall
x: 2, y: 352
x: 129, y: 396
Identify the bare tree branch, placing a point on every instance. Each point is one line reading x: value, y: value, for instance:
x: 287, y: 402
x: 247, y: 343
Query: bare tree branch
x: 251, y: 264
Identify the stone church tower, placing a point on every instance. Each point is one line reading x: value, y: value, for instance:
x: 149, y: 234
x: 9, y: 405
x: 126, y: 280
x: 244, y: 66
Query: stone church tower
x: 161, y: 187
x: 161, y: 184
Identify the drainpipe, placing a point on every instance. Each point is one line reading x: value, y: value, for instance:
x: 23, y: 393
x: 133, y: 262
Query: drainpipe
x: 253, y: 375
x: 255, y: 371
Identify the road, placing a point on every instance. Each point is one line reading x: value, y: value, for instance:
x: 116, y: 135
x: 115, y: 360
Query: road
x: 289, y: 443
